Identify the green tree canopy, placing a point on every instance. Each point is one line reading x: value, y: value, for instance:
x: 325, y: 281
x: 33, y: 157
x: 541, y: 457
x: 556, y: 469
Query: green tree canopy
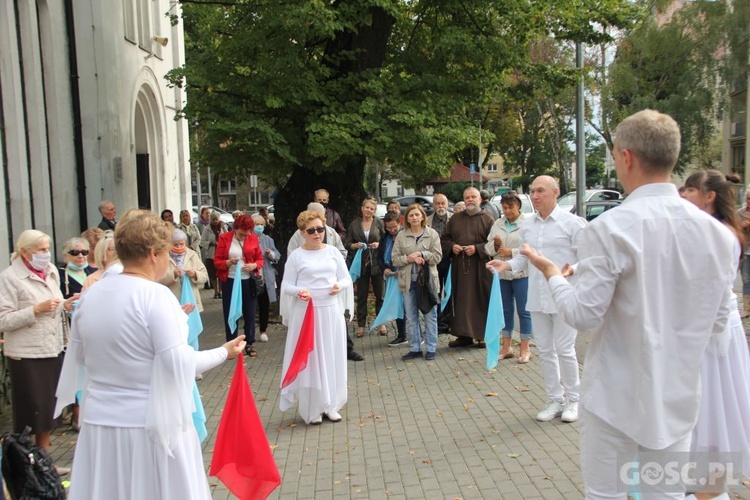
x: 304, y: 91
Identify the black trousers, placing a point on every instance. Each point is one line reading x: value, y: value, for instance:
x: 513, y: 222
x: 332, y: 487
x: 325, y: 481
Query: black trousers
x: 264, y: 306
x: 363, y: 288
x: 249, y: 301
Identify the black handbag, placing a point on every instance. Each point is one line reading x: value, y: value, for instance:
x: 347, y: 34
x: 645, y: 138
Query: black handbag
x: 28, y: 470
x: 427, y: 295
x: 260, y: 283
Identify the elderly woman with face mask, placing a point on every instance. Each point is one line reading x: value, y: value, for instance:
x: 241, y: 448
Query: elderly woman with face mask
x: 271, y: 257
x: 31, y: 319
x: 183, y: 260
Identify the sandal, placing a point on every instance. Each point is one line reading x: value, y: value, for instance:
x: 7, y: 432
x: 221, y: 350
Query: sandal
x: 480, y: 344
x: 360, y: 331
x: 383, y: 330
x: 524, y: 358
x: 251, y: 353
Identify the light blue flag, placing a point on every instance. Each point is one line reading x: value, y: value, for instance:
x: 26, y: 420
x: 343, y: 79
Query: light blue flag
x: 195, y: 324
x: 447, y: 288
x: 235, y: 305
x: 495, y: 323
x: 199, y: 415
x: 356, y: 268
x: 393, y: 304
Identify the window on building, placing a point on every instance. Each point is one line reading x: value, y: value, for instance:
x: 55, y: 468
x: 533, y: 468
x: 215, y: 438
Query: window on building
x: 143, y: 18
x: 492, y: 167
x: 227, y: 187
x: 128, y: 18
x: 259, y: 198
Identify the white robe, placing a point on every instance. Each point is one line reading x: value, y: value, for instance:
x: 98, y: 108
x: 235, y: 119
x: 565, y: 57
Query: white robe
x: 321, y: 386
x: 128, y: 352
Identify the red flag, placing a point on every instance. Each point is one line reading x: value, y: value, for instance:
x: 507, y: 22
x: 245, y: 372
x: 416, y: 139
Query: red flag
x: 305, y: 345
x: 242, y: 456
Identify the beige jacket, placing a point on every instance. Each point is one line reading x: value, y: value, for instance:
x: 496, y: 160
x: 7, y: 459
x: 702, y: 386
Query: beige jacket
x: 511, y: 240
x: 405, y: 244
x: 192, y: 261
x: 27, y: 335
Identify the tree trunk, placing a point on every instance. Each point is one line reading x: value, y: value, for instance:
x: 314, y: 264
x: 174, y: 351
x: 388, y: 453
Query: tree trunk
x: 345, y: 196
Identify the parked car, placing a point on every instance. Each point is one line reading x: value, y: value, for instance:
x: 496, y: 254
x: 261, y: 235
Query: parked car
x: 225, y: 216
x: 594, y: 209
x: 568, y: 201
x: 424, y: 199
x: 526, y: 206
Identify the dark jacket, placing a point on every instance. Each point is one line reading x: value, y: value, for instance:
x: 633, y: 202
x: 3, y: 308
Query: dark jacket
x: 355, y: 234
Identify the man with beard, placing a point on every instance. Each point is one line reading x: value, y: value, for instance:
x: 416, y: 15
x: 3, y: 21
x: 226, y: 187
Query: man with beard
x: 464, y: 238
x: 437, y: 221
x: 333, y: 219
x: 553, y: 233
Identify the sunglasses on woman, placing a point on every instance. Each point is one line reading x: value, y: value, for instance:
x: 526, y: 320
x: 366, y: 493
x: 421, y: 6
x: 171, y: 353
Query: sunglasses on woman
x: 76, y: 252
x: 314, y: 230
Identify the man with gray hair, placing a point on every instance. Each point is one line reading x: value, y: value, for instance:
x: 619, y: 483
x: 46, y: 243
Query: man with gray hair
x: 109, y: 214
x: 654, y: 282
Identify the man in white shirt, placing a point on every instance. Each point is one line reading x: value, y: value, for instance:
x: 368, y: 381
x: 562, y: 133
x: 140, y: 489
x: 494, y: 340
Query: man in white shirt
x: 554, y: 233
x: 654, y: 280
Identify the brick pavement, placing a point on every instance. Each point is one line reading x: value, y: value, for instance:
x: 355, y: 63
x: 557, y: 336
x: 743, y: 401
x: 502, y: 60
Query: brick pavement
x: 417, y: 429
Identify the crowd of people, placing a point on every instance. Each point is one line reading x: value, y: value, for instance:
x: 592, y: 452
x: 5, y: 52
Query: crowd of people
x: 115, y: 312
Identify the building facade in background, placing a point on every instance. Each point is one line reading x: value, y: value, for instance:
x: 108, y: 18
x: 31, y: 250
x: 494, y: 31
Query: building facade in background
x: 86, y: 115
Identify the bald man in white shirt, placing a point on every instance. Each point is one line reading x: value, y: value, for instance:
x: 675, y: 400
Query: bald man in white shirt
x: 654, y: 280
x: 555, y: 232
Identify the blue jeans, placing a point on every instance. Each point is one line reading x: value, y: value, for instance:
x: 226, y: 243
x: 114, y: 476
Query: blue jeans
x: 412, y: 322
x: 746, y: 275
x: 516, y: 289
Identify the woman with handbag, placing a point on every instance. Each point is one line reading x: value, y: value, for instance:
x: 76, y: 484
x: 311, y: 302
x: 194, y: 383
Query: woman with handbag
x: 267, y: 292
x: 365, y: 233
x: 240, y: 247
x: 416, y: 254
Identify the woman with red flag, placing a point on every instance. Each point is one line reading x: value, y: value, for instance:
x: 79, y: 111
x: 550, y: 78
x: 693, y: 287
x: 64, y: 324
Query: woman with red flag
x: 128, y: 352
x: 314, y: 369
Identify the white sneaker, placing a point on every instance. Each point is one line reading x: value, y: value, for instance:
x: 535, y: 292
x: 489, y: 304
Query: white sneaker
x: 317, y: 420
x: 570, y: 413
x: 552, y: 410
x: 333, y: 416
x: 263, y: 337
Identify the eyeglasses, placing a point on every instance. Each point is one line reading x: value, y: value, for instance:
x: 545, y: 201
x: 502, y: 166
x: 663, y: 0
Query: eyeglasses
x: 314, y: 230
x: 76, y: 252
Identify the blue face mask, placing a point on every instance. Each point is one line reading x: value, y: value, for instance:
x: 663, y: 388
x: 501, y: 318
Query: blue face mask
x: 259, y: 229
x: 74, y: 267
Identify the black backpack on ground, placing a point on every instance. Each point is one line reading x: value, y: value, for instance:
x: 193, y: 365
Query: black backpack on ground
x: 28, y: 470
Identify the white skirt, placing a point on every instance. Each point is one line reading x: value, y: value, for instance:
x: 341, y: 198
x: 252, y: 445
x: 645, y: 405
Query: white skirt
x: 124, y: 464
x: 724, y: 418
x: 321, y: 386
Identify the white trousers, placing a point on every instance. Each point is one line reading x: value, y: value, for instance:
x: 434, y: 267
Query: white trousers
x: 556, y: 342
x: 602, y: 450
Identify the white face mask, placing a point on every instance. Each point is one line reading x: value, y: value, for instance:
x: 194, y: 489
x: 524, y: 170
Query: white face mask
x: 40, y: 261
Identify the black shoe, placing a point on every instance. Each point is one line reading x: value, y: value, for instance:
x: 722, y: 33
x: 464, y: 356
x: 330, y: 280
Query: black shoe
x: 354, y: 356
x: 397, y: 341
x: 412, y: 355
x: 429, y: 356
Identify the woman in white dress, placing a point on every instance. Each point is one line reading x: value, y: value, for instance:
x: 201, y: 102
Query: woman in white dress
x: 724, y: 419
x: 316, y: 271
x: 128, y: 352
